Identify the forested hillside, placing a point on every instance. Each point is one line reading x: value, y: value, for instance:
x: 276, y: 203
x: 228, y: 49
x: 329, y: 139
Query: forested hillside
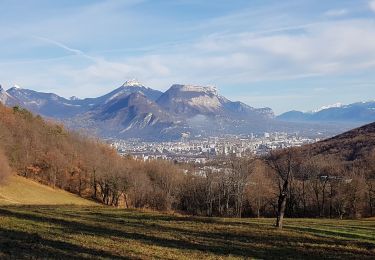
x: 332, y: 178
x: 50, y: 154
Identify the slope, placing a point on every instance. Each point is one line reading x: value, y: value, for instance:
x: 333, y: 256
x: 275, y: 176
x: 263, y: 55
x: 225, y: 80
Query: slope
x: 19, y: 190
x: 360, y: 113
x: 356, y: 144
x: 130, y: 115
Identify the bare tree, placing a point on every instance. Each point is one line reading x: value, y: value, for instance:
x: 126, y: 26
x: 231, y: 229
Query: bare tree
x: 241, y: 171
x: 260, y: 191
x: 285, y: 164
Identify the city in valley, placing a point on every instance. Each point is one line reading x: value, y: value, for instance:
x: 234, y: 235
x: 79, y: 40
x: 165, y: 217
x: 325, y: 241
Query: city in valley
x: 187, y: 129
x: 203, y: 149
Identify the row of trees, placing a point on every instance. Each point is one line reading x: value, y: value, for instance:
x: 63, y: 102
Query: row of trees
x: 285, y: 182
x: 220, y: 189
x: 322, y: 187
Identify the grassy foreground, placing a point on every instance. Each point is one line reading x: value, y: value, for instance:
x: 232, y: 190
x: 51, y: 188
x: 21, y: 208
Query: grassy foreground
x: 19, y: 190
x: 79, y: 232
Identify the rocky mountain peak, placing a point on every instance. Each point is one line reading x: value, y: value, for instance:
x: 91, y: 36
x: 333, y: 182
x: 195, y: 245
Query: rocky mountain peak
x: 132, y: 83
x: 195, y: 88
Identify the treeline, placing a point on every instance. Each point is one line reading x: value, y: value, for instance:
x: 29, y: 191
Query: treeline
x: 283, y: 183
x: 292, y: 182
x: 334, y: 178
x: 322, y: 186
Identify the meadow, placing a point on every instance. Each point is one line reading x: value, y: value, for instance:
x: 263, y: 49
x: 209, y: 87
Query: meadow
x: 100, y: 232
x: 22, y: 191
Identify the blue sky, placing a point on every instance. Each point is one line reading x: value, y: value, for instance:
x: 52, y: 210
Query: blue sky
x: 291, y: 54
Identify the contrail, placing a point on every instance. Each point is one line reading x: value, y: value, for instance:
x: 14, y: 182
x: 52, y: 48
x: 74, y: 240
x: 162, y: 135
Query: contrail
x: 65, y: 47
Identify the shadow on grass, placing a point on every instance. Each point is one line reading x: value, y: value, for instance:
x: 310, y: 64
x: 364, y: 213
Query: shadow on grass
x: 23, y: 245
x: 219, y: 243
x: 133, y: 214
x: 337, y: 235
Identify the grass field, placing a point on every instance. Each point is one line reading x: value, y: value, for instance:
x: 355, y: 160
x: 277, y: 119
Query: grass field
x: 81, y: 232
x: 19, y: 190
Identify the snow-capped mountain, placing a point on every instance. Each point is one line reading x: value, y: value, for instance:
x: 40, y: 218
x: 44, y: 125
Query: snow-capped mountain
x: 52, y: 105
x: 132, y: 115
x: 361, y: 112
x: 3, y: 95
x: 47, y: 104
x: 133, y: 110
x: 189, y: 100
x: 327, y: 107
x: 182, y: 108
x: 129, y: 87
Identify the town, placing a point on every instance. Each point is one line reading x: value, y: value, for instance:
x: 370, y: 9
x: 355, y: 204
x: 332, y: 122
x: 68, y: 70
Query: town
x: 201, y: 149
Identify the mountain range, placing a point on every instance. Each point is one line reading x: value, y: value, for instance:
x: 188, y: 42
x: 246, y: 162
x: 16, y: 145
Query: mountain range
x: 136, y: 111
x: 360, y: 112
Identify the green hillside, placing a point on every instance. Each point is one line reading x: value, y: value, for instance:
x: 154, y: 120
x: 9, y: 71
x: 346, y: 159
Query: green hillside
x: 19, y: 190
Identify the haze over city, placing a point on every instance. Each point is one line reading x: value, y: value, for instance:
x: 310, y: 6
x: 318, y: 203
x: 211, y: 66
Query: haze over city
x: 187, y: 129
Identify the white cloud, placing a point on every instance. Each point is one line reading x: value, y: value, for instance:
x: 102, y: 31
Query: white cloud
x: 336, y: 12
x: 372, y: 5
x: 323, y: 49
x: 94, y: 54
x: 314, y: 50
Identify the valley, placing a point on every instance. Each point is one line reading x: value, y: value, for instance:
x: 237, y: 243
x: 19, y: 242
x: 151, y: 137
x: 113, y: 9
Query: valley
x: 201, y: 149
x: 143, y: 129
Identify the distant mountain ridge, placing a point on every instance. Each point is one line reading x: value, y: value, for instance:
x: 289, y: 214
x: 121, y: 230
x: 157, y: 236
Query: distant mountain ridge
x: 135, y: 111
x: 361, y: 112
x: 129, y: 87
x: 190, y: 100
x: 46, y: 104
x: 133, y: 115
x: 52, y: 105
x: 5, y: 98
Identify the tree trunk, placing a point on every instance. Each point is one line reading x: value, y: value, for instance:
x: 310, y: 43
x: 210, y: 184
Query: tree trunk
x: 126, y: 201
x: 281, y: 210
x: 227, y: 204
x: 220, y: 209
x: 282, y: 203
x: 79, y: 184
x: 304, y: 197
x: 330, y: 201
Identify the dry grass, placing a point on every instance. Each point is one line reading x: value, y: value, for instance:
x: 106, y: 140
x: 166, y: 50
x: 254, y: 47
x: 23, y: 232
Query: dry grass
x: 19, y: 190
x: 107, y: 233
